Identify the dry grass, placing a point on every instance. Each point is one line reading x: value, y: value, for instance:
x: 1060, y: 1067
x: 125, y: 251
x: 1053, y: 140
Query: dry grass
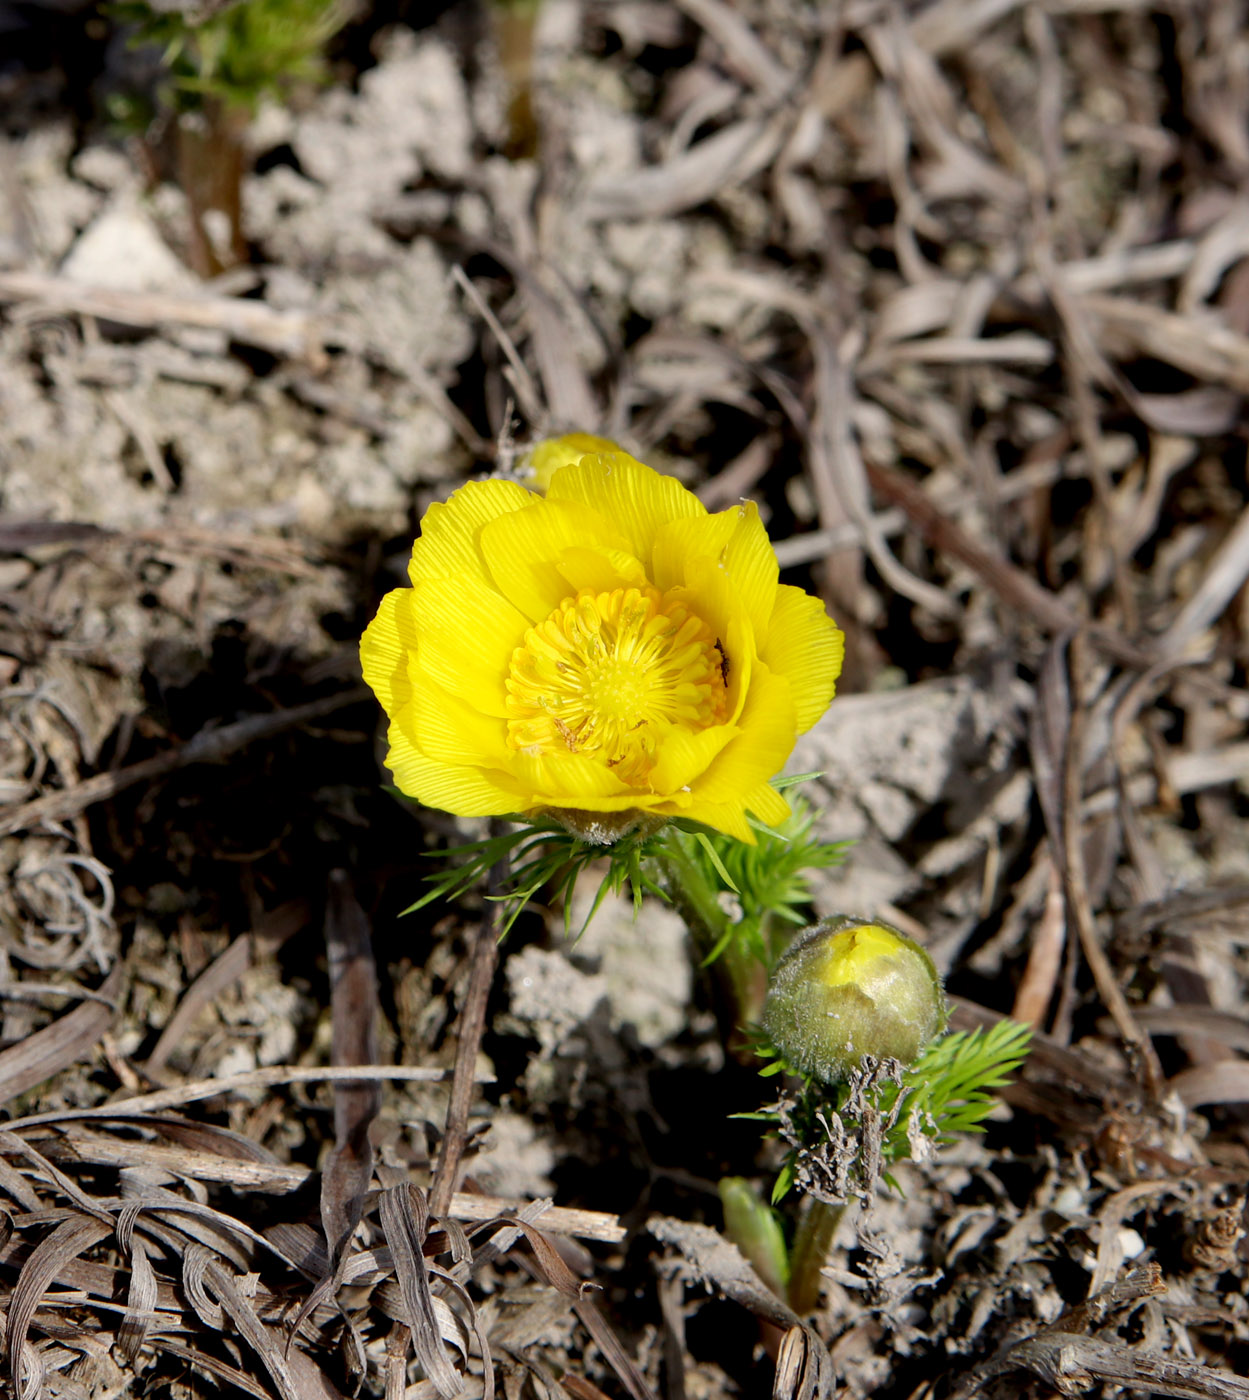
x: 960, y: 293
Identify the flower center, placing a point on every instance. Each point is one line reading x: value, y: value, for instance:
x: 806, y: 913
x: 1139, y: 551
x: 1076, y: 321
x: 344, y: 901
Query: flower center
x: 607, y: 674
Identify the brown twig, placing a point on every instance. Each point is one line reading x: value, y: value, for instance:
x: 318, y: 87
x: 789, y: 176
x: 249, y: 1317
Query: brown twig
x: 1076, y: 887
x: 354, y: 1014
x: 208, y: 746
x: 60, y: 1044
x: 252, y: 322
x: 1036, y: 987
x: 609, y: 1344
x: 485, y: 957
x: 1070, y: 1360
x: 221, y: 973
x: 1011, y: 585
x: 267, y: 1078
x: 1047, y: 1057
x: 1075, y: 1364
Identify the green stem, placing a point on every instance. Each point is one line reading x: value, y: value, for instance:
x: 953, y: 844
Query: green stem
x: 696, y: 899
x: 514, y: 24
x: 812, y: 1243
x: 210, y: 169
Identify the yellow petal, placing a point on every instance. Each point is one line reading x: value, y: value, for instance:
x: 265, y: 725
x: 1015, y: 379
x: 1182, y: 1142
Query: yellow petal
x: 468, y: 633
x: 624, y: 802
x: 571, y: 780
x: 468, y: 792
x: 740, y: 657
x: 447, y: 546
x: 386, y: 648
x: 709, y: 592
x: 751, y: 563
x: 710, y: 596
x: 764, y: 803
x: 759, y: 751
x: 804, y: 645
x: 546, y: 458
x: 728, y: 817
x: 732, y: 543
x: 449, y: 729
x: 635, y: 498
x: 600, y: 570
x: 684, y: 754
x: 691, y: 537
x: 767, y: 805
x: 522, y: 551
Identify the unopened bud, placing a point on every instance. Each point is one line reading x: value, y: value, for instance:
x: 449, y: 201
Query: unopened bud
x: 846, y: 988
x: 545, y: 458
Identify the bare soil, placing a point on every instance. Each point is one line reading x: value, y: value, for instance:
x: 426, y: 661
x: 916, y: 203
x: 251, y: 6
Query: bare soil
x: 959, y: 293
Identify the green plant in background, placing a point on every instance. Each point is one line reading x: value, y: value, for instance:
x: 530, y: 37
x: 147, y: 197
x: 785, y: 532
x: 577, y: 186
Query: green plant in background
x: 769, y: 880
x: 852, y: 1008
x: 217, y: 65
x: 544, y: 855
x: 890, y: 1112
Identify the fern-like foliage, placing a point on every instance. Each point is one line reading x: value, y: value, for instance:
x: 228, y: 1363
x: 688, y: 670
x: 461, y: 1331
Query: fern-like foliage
x: 950, y: 1085
x: 769, y: 881
x: 842, y: 1139
x: 542, y: 855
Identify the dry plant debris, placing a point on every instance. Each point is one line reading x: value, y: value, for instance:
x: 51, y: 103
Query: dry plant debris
x: 960, y: 294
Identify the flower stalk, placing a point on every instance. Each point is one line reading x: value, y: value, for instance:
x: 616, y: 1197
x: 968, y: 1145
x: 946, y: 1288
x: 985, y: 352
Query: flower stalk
x: 698, y: 901
x: 813, y: 1243
x: 211, y: 164
x: 754, y: 1229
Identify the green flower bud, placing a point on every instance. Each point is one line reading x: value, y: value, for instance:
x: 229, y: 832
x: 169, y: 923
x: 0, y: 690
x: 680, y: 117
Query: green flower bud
x: 846, y: 988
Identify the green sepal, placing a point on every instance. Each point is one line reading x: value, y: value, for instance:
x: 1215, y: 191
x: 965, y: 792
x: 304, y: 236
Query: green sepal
x: 541, y: 853
x: 793, y: 779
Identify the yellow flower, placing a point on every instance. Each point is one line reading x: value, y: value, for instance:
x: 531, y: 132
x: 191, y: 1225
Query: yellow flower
x: 609, y: 653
